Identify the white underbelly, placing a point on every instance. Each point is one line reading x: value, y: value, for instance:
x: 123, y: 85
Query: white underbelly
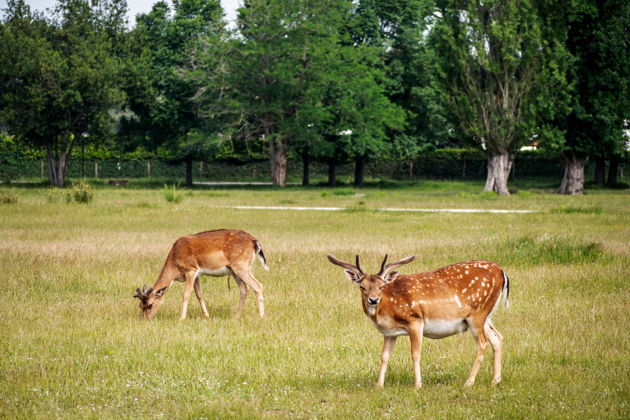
x: 392, y: 332
x: 223, y: 271
x: 437, y: 328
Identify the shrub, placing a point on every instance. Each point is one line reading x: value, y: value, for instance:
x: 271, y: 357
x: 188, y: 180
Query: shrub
x: 172, y: 194
x: 80, y: 193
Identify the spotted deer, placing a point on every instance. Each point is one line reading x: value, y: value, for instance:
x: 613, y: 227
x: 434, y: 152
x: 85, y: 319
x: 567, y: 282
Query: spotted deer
x: 434, y: 304
x: 216, y: 253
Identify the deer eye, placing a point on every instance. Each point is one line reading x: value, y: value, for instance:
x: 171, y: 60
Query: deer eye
x: 362, y: 288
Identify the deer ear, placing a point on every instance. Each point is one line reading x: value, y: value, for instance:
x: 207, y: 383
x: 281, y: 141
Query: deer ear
x: 352, y: 276
x: 161, y: 292
x: 391, y: 276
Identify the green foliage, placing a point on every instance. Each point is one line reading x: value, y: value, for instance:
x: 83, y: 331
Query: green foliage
x: 60, y: 76
x: 173, y: 194
x: 161, y: 93
x: 82, y: 193
x: 399, y: 31
x: 598, y: 40
x: 501, y: 71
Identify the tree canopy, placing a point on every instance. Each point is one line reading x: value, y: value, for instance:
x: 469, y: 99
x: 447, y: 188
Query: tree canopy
x: 332, y: 81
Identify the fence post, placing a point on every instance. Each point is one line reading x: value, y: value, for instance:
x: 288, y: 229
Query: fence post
x: 95, y: 169
x: 149, y: 168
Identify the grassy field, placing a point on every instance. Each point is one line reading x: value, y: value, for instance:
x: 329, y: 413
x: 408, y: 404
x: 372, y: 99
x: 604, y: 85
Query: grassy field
x: 73, y: 345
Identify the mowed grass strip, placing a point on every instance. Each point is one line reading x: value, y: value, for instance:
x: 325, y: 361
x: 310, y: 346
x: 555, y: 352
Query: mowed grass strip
x: 73, y: 344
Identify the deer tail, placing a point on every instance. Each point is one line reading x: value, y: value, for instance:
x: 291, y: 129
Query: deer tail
x: 506, y: 289
x: 260, y: 255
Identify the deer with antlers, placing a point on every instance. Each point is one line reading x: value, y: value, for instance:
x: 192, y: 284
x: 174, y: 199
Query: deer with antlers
x: 216, y: 253
x: 434, y: 304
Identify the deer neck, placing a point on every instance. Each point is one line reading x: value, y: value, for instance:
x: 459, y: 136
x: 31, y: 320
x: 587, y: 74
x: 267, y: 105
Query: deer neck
x: 167, y: 276
x: 371, y: 311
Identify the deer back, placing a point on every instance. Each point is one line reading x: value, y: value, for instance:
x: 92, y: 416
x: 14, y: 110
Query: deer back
x: 453, y: 292
x: 212, y: 250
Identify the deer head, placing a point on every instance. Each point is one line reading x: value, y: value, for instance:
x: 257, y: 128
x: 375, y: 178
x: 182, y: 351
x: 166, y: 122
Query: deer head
x: 150, y: 300
x: 371, y: 285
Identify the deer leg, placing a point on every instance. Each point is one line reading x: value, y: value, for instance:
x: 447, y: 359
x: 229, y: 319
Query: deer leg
x: 188, y: 287
x: 241, y: 303
x: 250, y: 280
x: 388, y: 347
x: 204, y: 310
x: 496, y: 341
x: 477, y: 330
x: 415, y: 336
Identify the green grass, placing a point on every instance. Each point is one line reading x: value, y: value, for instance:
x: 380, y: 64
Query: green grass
x: 73, y: 345
x: 573, y: 209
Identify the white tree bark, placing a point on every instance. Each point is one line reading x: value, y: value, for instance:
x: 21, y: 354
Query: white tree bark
x: 499, y: 166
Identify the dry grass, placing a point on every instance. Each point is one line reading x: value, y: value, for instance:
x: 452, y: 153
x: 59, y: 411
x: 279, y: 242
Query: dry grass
x: 73, y: 345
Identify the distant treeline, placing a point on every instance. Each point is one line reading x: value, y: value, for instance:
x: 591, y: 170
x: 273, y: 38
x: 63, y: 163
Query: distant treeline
x: 452, y: 164
x: 378, y: 85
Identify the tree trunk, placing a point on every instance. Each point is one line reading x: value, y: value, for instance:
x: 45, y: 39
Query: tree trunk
x: 278, y: 155
x: 189, y: 171
x: 573, y: 179
x: 612, y: 170
x: 57, y: 166
x: 410, y: 165
x: 359, y: 170
x: 600, y: 171
x: 332, y: 174
x: 306, y: 168
x: 499, y: 166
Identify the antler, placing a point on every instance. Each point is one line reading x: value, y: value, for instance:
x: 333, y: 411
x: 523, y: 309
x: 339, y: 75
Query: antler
x: 347, y: 266
x: 359, y: 265
x: 386, y: 268
x: 141, y: 294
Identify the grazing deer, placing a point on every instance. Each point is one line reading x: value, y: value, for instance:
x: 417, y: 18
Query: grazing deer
x: 216, y: 253
x: 435, y: 304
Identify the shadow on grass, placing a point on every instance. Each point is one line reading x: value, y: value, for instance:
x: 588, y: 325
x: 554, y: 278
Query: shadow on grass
x: 394, y: 378
x: 542, y: 184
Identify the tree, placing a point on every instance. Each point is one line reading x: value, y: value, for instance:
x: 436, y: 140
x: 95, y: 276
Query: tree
x: 161, y: 93
x: 358, y: 116
x: 59, y: 77
x: 273, y: 85
x: 501, y: 74
x: 598, y: 39
x: 399, y: 30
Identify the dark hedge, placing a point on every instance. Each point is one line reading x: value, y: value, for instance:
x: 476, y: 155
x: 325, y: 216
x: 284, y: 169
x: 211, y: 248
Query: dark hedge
x: 438, y: 164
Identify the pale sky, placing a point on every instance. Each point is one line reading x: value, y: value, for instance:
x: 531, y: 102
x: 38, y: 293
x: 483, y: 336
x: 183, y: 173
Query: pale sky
x: 135, y: 7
